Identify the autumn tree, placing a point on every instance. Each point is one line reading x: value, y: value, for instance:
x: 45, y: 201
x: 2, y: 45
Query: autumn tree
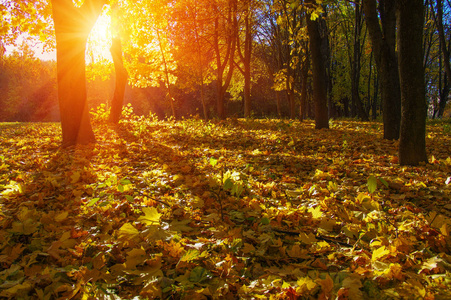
x: 224, y: 46
x: 192, y: 33
x: 357, y: 107
x: 120, y: 81
x: 283, y: 45
x: 244, y: 50
x: 412, y: 142
x: 383, y: 39
x: 72, y: 27
x: 444, y: 57
x: 28, y: 87
x: 317, y: 32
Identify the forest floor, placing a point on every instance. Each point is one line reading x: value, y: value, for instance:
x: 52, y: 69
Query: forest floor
x: 238, y: 209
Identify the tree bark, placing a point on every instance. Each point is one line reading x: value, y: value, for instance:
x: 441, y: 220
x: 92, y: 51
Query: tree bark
x: 383, y: 41
x: 444, y: 92
x: 224, y: 64
x: 356, y: 65
x: 441, y: 33
x: 246, y: 58
x: 121, y: 81
x: 72, y: 27
x: 318, y: 39
x: 304, y: 72
x: 412, y: 142
x: 166, y: 77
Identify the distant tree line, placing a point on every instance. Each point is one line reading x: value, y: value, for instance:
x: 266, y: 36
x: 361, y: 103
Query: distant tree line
x: 270, y: 55
x: 297, y: 59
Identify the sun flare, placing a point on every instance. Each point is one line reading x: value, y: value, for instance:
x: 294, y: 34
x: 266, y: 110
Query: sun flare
x: 99, y: 41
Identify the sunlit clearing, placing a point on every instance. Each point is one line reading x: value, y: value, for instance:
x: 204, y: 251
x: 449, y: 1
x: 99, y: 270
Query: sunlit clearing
x: 99, y: 41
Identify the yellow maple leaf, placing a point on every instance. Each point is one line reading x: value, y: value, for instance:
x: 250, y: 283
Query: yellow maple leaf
x: 305, y: 285
x: 190, y: 255
x: 316, y: 212
x: 379, y: 253
x: 151, y: 216
x: 128, y: 232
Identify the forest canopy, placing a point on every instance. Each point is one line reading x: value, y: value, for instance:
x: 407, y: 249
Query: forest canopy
x: 200, y: 51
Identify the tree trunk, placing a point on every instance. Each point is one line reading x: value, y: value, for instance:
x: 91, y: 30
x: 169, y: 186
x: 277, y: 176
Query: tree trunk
x: 121, y: 81
x: 279, y: 104
x: 412, y: 143
x: 290, y: 93
x: 304, y: 73
x: 166, y: 73
x: 318, y: 39
x: 383, y: 41
x: 444, y: 94
x: 247, y: 67
x: 72, y: 27
x: 356, y: 65
x: 227, y: 61
x: 445, y: 51
x: 201, y: 72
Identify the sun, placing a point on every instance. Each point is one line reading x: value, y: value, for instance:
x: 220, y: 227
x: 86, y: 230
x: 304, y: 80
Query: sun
x: 99, y: 40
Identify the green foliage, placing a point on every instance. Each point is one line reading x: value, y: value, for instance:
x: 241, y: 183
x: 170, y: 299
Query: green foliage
x: 372, y: 184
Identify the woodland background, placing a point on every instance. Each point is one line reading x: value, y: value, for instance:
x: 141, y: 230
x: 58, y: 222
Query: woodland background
x: 179, y: 199
x: 279, y: 58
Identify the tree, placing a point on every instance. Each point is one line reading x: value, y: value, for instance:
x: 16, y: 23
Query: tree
x: 121, y: 81
x: 72, y: 27
x: 412, y: 142
x: 318, y: 47
x: 445, y: 53
x: 356, y: 64
x: 224, y: 45
x: 244, y: 53
x: 383, y: 40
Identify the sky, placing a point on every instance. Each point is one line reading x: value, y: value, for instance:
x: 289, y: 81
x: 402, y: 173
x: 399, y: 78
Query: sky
x: 38, y: 49
x: 99, y: 42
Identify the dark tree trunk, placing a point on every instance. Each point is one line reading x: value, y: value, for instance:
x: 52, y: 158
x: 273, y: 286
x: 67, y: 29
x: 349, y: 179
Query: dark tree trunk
x: 247, y: 67
x: 318, y: 42
x: 166, y: 77
x: 228, y: 60
x: 441, y: 32
x: 290, y: 96
x: 121, y: 81
x: 412, y: 142
x: 356, y: 65
x: 72, y: 27
x: 279, y: 104
x: 304, y: 73
x: 375, y: 96
x: 444, y: 94
x: 244, y: 54
x: 445, y: 62
x: 383, y: 41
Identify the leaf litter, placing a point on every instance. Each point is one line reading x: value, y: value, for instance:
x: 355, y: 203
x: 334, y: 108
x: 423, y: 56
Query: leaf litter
x: 249, y: 209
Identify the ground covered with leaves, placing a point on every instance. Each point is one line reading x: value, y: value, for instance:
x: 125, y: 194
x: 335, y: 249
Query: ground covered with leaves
x: 238, y: 209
